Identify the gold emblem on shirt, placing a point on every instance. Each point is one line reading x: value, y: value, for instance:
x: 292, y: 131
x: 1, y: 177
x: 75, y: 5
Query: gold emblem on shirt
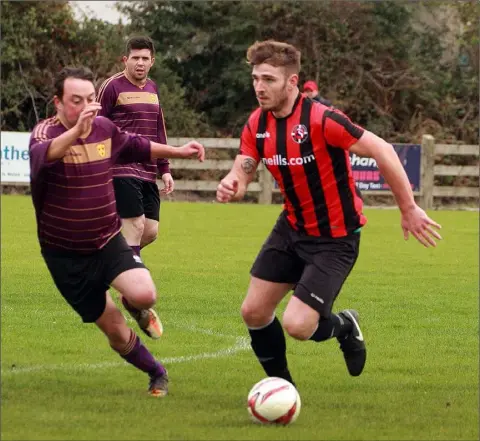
x: 153, y: 98
x: 101, y: 150
x: 84, y: 153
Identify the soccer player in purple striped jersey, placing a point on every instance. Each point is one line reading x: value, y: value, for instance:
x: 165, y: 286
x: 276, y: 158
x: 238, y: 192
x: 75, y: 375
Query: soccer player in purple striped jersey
x: 130, y: 99
x: 78, y: 227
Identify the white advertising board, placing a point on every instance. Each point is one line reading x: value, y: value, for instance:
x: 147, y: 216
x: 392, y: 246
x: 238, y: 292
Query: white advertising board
x: 15, y: 164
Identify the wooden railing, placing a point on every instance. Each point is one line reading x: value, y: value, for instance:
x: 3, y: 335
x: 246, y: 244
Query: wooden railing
x: 264, y: 185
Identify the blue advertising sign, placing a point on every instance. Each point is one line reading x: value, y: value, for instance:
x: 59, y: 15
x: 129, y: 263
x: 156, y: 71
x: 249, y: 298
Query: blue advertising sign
x: 366, y: 174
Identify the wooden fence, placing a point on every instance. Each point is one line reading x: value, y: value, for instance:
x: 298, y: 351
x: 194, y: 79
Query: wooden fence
x: 264, y: 185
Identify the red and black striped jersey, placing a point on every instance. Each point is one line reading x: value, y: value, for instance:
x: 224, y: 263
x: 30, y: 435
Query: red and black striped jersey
x: 307, y: 154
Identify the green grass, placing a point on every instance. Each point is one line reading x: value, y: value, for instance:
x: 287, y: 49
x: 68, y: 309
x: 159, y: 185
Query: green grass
x: 419, y: 309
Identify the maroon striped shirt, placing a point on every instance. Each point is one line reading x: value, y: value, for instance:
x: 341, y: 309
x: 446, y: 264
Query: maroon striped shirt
x: 137, y: 110
x: 307, y: 154
x: 73, y: 197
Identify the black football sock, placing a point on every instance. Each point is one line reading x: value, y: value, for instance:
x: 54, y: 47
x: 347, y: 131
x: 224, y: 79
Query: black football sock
x: 334, y: 326
x: 269, y: 346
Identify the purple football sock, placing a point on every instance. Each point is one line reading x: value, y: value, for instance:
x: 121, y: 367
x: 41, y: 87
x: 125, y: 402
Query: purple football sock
x: 139, y: 356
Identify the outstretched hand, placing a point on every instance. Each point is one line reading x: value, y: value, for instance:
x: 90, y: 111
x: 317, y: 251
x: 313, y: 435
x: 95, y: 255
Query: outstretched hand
x: 416, y: 222
x: 192, y: 148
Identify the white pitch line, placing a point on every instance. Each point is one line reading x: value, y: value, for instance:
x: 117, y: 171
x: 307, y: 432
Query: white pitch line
x: 241, y: 344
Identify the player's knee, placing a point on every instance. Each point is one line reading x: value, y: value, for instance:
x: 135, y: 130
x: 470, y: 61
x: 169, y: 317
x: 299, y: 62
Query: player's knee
x: 143, y: 294
x: 253, y: 316
x: 146, y: 297
x: 297, y: 328
x: 137, y: 225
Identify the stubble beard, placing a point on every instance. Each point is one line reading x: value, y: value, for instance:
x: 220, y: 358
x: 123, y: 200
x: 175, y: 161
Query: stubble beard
x: 278, y: 104
x: 139, y: 77
x: 134, y: 76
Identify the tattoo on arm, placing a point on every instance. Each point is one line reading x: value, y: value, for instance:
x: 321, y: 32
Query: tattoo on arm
x: 248, y: 165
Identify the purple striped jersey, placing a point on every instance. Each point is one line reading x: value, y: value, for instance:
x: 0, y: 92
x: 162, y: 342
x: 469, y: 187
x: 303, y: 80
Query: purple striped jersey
x: 137, y: 110
x: 73, y: 197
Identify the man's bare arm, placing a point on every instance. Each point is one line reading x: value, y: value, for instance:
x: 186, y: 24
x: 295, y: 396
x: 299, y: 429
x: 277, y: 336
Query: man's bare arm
x: 414, y: 220
x: 245, y: 168
x: 233, y: 186
x: 372, y: 146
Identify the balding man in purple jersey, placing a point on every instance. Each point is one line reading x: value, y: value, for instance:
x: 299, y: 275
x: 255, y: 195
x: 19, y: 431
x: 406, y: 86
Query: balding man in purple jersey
x: 71, y: 160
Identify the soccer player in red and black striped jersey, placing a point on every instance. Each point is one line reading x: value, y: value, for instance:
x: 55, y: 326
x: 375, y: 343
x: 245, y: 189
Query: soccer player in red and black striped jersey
x: 78, y: 227
x: 315, y: 242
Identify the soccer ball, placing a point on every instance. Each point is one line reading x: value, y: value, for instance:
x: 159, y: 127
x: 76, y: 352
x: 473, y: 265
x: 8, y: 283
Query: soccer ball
x: 274, y: 401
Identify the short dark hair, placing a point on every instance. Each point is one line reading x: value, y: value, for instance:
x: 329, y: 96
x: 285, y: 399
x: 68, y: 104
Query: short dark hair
x: 274, y: 53
x: 82, y: 73
x: 140, y: 42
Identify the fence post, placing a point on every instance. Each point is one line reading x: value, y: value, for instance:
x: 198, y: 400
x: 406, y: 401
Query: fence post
x: 265, y: 180
x: 428, y: 171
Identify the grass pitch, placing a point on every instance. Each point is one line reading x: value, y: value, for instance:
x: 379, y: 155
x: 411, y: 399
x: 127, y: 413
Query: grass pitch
x: 418, y: 307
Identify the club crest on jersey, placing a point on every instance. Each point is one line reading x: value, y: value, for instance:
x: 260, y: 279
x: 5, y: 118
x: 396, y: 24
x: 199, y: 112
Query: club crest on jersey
x: 101, y: 150
x: 153, y: 98
x: 299, y: 133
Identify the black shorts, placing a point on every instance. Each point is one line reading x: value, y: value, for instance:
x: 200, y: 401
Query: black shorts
x: 136, y: 197
x: 84, y: 279
x: 318, y: 266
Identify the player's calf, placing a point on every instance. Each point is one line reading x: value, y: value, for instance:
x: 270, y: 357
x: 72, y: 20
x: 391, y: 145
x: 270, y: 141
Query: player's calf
x: 135, y: 353
x: 150, y: 233
x: 126, y: 343
x: 268, y: 344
